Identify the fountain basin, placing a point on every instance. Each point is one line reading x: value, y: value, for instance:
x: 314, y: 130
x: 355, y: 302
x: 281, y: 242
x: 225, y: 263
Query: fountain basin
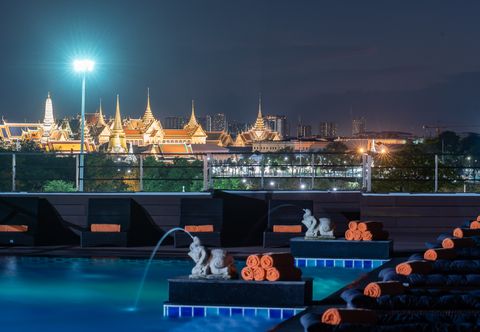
x: 340, y: 248
x: 291, y: 294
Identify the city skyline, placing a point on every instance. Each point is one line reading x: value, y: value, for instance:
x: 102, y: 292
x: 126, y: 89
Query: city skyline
x: 331, y: 63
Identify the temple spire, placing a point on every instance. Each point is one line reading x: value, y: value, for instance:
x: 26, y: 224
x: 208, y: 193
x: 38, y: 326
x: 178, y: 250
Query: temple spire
x: 193, y: 120
x: 117, y: 123
x: 48, y: 120
x: 259, y: 123
x: 148, y: 116
x: 101, y: 119
x: 117, y: 142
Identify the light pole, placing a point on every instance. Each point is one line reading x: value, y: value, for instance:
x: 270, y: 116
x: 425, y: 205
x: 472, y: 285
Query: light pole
x: 82, y: 66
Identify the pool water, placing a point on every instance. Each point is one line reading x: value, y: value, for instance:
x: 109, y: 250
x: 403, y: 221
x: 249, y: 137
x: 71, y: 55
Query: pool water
x: 76, y: 294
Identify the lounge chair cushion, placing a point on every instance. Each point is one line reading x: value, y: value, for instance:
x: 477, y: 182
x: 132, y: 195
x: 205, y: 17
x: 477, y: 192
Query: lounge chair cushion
x: 110, y: 228
x: 199, y: 228
x: 14, y: 228
x: 287, y: 228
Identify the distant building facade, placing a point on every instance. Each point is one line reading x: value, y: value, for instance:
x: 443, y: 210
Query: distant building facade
x: 359, y: 126
x: 278, y: 123
x: 327, y: 129
x: 219, y: 122
x: 174, y: 122
x: 235, y: 128
x: 304, y: 130
x: 205, y: 122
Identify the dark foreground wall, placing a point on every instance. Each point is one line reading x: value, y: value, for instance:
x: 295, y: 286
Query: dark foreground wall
x: 410, y: 219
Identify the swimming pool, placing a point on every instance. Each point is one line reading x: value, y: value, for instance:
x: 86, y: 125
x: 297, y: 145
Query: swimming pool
x: 80, y: 294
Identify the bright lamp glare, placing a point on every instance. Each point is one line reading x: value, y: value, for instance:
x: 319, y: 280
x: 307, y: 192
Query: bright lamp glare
x: 83, y: 65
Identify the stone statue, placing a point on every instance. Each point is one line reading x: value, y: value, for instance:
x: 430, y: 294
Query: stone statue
x: 221, y: 265
x: 217, y: 265
x: 199, y: 255
x: 311, y: 223
x: 326, y: 228
x: 317, y: 230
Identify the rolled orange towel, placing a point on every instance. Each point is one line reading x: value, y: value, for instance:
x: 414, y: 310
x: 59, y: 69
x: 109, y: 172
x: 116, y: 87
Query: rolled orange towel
x: 441, y: 253
x: 379, y: 288
x: 247, y: 273
x: 466, y: 242
x: 253, y: 260
x: 349, y: 235
x: 374, y: 236
x: 277, y: 259
x: 370, y: 226
x: 475, y: 224
x: 420, y: 267
x: 352, y: 225
x: 357, y: 235
x: 337, y: 316
x: 259, y: 273
x: 465, y: 232
x: 291, y: 274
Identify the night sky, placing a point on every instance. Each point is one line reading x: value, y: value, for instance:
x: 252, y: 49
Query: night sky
x: 399, y: 65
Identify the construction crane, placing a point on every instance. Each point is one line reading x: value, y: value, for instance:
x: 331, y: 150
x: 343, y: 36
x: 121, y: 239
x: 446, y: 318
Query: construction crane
x: 440, y: 128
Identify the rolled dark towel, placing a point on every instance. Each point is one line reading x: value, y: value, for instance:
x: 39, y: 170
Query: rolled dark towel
x: 337, y: 316
x: 389, y: 274
x: 440, y: 253
x: 457, y: 266
x: 443, y: 280
x: 311, y: 322
x: 380, y: 288
x: 468, y: 253
x: 416, y: 302
x: 465, y: 232
x: 432, y: 245
x: 407, y: 268
x: 466, y: 242
x: 354, y: 298
x: 415, y: 257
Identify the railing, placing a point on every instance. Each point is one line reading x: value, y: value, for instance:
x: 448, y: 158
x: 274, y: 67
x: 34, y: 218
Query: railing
x: 393, y: 172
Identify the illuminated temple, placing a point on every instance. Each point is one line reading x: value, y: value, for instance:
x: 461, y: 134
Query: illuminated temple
x: 117, y: 135
x: 259, y: 132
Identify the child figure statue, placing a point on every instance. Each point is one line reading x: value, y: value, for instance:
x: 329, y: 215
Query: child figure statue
x: 198, y: 253
x: 311, y: 223
x: 317, y: 230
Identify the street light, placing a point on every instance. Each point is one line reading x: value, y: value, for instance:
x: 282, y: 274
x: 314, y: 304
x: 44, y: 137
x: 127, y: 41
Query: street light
x: 82, y: 66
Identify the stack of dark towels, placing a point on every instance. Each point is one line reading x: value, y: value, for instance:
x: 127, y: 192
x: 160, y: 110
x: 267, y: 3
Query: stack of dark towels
x: 438, y: 290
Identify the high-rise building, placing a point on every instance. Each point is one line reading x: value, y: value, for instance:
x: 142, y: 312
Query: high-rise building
x: 235, y: 128
x: 206, y: 122
x: 327, y: 129
x: 304, y: 130
x: 358, y: 126
x: 278, y: 123
x: 174, y: 122
x: 219, y: 122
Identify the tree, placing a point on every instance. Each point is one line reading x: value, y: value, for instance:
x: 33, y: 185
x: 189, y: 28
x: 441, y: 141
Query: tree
x: 177, y: 175
x: 58, y: 186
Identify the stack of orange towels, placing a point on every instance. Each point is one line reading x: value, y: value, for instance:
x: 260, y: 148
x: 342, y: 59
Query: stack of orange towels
x: 271, y: 267
x: 365, y: 231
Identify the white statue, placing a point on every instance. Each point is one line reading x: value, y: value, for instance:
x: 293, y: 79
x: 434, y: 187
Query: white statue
x: 221, y: 265
x: 317, y: 230
x: 218, y: 265
x: 199, y: 255
x: 326, y: 228
x: 311, y: 223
